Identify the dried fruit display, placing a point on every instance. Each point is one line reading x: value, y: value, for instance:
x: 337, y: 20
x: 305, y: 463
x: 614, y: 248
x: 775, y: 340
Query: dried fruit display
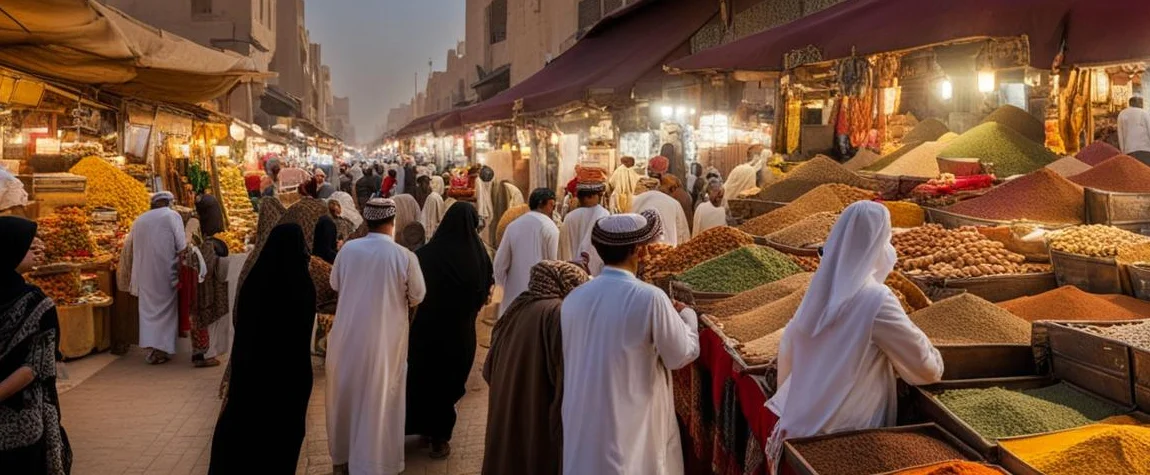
x: 111, y: 187
x: 242, y: 217
x: 709, y: 244
x: 655, y: 252
x: 67, y: 236
x: 806, y: 263
x: 832, y: 198
x: 954, y: 254
x: 1094, y: 240
x: 61, y: 287
x: 234, y: 240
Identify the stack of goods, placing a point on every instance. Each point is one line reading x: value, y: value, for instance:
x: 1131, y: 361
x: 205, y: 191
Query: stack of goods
x: 953, y: 467
x: 921, y: 162
x: 969, y: 320
x: 707, y: 245
x: 831, y: 198
x: 1118, y: 445
x: 67, y: 236
x: 874, y: 452
x: 110, y: 187
x: 742, y: 269
x: 1122, y: 174
x: 998, y: 412
x: 242, y: 217
x: 757, y: 297
x: 808, y: 176
x: 1019, y: 121
x: 1094, y: 240
x: 1097, y: 153
x: 904, y: 214
x: 1071, y: 303
x: 810, y: 231
x: 1042, y: 196
x: 1068, y: 166
x: 1135, y: 334
x: 61, y: 287
x: 954, y: 253
x: 1001, y: 148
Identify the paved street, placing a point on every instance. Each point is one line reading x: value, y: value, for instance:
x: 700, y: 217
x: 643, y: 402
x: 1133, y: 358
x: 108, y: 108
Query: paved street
x: 131, y: 418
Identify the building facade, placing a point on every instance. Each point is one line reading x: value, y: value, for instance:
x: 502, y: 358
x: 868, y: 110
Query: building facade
x: 339, y: 120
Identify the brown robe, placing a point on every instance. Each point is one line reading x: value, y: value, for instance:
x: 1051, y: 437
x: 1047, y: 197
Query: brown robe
x: 524, y: 370
x: 687, y: 203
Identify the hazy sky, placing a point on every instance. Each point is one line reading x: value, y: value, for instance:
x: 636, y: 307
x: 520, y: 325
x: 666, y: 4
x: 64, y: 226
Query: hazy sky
x: 374, y: 47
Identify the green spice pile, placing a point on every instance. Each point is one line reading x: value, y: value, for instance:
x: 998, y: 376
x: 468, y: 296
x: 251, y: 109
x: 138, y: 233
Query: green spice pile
x: 996, y: 412
x: 1020, y: 121
x: 1009, y: 152
x: 1097, y: 152
x: 1042, y: 196
x: 1137, y: 334
x: 811, y: 231
x: 875, y: 452
x: 752, y: 325
x: 742, y: 269
x: 1123, y: 174
x: 926, y: 131
x: 968, y: 319
x: 808, y: 176
x: 757, y: 297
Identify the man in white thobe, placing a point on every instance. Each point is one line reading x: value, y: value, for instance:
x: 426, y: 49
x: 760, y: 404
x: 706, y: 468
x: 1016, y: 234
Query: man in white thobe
x: 621, y: 339
x: 711, y: 213
x: 623, y: 182
x: 1134, y: 128
x: 433, y: 210
x: 157, y: 240
x: 578, y: 223
x: 378, y: 283
x: 529, y: 240
x: 676, y: 228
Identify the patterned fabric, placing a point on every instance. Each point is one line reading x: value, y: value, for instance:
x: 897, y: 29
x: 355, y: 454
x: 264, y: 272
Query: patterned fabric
x: 379, y: 208
x: 211, y: 294
x: 325, y: 296
x: 344, y: 228
x: 201, y: 341
x: 555, y: 279
x: 627, y: 229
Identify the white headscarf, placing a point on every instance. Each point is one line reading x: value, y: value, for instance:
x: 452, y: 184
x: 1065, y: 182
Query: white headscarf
x: 741, y: 178
x: 347, y: 208
x: 437, y: 184
x: 831, y: 330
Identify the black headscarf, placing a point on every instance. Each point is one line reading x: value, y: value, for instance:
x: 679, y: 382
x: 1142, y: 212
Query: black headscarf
x: 326, y: 235
x: 16, y: 235
x: 409, y: 176
x: 456, y: 255
x: 422, y: 190
x: 271, y: 376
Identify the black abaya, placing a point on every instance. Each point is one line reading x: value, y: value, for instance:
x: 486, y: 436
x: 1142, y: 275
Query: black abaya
x: 458, y: 274
x: 262, y: 425
x: 326, y: 236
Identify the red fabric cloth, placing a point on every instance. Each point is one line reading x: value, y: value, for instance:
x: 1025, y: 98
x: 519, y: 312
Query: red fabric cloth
x: 571, y: 185
x: 388, y: 184
x: 252, y: 183
x: 186, y: 290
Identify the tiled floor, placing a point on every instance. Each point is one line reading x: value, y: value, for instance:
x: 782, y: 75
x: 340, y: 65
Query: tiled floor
x: 132, y: 418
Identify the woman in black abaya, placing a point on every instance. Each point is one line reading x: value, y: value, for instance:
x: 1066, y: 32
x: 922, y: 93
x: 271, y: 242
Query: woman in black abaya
x: 261, y: 427
x: 458, y: 274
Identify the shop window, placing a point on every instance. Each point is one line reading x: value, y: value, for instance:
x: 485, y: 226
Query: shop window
x: 201, y: 7
x: 497, y: 21
x: 611, y: 5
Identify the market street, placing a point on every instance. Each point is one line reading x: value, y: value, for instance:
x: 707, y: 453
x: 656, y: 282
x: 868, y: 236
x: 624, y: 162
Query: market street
x: 116, y: 426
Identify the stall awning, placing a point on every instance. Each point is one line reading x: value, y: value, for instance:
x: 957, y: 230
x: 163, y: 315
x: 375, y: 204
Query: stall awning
x: 86, y: 42
x: 1107, y: 32
x: 429, y: 123
x: 607, y: 61
x: 868, y: 27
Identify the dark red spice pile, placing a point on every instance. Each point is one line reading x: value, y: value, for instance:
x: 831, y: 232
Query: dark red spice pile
x: 1043, y: 196
x: 1097, y: 152
x: 1123, y: 173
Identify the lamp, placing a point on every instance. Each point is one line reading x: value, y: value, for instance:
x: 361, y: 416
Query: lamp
x: 945, y: 90
x: 667, y: 111
x: 986, y: 81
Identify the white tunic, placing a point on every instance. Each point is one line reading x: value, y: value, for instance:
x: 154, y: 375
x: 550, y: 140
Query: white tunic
x: 378, y: 282
x: 676, y: 229
x: 528, y: 240
x: 1134, y: 130
x: 433, y: 211
x: 621, y: 338
x: 577, y: 227
x: 708, y: 216
x: 157, y: 238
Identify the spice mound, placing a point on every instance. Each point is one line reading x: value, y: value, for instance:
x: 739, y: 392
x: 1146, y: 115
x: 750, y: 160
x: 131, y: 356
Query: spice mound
x: 1123, y: 174
x: 808, y: 176
x: 1094, y: 240
x: 874, y: 452
x: 995, y: 144
x: 707, y: 245
x: 757, y: 297
x: 1137, y: 334
x: 1097, y: 152
x: 925, y: 131
x: 832, y: 198
x: 811, y: 231
x: 752, y: 325
x: 864, y: 158
x: 742, y: 269
x: 968, y: 319
x: 1042, y: 196
x: 1111, y: 448
x: 1069, y: 166
x: 953, y: 467
x: 921, y: 162
x: 1019, y: 121
x: 764, y: 349
x: 997, y: 412
x: 891, y: 157
x: 904, y: 214
x: 1071, y: 303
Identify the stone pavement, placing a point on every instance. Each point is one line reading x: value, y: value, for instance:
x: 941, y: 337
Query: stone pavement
x: 132, y: 418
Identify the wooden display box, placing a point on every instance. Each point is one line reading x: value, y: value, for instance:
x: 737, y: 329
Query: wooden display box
x: 996, y: 288
x: 1091, y: 274
x: 792, y: 448
x: 965, y: 362
x: 1094, y: 360
x: 1128, y: 211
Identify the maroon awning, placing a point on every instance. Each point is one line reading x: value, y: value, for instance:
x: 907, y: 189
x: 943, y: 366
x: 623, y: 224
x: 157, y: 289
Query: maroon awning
x: 426, y: 124
x: 877, y: 26
x: 608, y: 60
x: 1107, y: 31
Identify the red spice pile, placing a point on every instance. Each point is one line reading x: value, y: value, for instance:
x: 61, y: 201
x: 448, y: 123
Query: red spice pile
x: 1097, y: 152
x: 1071, y: 303
x: 1123, y: 173
x: 1043, y: 196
